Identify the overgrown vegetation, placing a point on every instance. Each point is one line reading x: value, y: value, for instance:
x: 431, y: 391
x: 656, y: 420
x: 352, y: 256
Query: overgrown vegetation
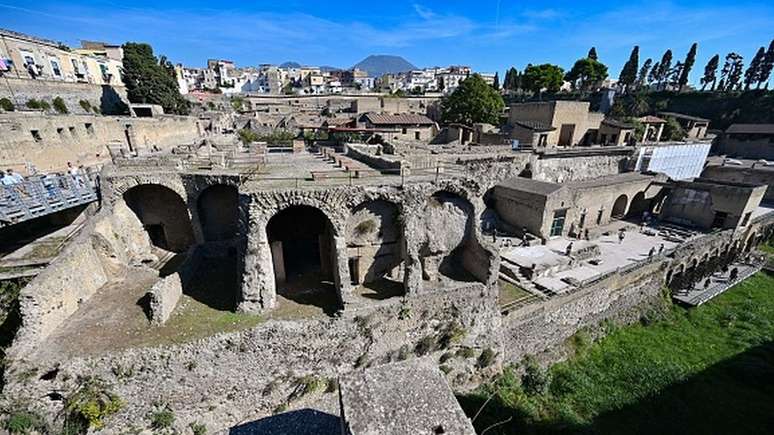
x: 89, y: 406
x: 247, y: 136
x: 7, y: 105
x: 473, y: 101
x: 60, y: 106
x: 23, y: 421
x: 162, y: 418
x: 150, y: 80
x: 85, y: 105
x: 703, y: 370
x: 38, y: 104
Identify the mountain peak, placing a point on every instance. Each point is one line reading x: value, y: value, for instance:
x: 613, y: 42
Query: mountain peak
x: 379, y: 64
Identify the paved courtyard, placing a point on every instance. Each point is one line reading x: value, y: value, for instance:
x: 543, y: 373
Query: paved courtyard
x: 558, y: 267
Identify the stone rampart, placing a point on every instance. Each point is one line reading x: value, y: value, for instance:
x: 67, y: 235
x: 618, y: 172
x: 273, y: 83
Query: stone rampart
x: 107, y: 99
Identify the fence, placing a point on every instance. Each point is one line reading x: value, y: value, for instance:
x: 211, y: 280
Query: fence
x: 41, y: 195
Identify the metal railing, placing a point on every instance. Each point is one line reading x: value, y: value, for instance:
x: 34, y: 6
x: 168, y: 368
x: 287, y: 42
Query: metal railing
x: 45, y: 194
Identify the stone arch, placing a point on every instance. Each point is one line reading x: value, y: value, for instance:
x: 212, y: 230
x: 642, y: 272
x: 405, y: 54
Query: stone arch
x: 303, y: 253
x: 638, y: 206
x: 449, y: 236
x: 374, y: 237
x: 218, y: 211
x: 163, y: 214
x: 619, y: 207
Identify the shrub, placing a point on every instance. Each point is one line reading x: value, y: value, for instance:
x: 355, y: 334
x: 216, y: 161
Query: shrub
x: 486, y: 358
x: 96, y: 110
x: 23, y: 422
x: 307, y: 385
x: 365, y: 227
x: 332, y: 385
x: 453, y: 334
x: 7, y: 105
x: 60, y: 106
x: 198, y: 428
x: 425, y: 346
x: 535, y: 380
x: 38, y: 104
x: 247, y: 136
x: 162, y: 419
x: 85, y: 105
x: 89, y: 406
x: 445, y: 369
x: 466, y: 352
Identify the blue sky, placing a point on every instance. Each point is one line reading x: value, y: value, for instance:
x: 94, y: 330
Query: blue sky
x: 489, y: 35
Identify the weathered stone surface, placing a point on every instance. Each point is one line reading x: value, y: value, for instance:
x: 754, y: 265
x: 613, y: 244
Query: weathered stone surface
x: 400, y: 398
x: 163, y: 298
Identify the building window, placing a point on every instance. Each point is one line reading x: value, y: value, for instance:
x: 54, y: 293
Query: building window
x: 60, y: 132
x: 105, y: 74
x: 55, y: 68
x: 36, y: 135
x: 599, y: 216
x: 29, y: 59
x: 627, y: 137
x: 603, y: 139
x: 89, y: 128
x: 403, y: 131
x: 416, y: 135
x: 557, y: 225
x: 73, y: 133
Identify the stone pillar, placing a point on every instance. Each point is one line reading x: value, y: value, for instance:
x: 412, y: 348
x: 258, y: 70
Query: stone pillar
x: 341, y: 269
x: 660, y: 130
x: 259, y: 289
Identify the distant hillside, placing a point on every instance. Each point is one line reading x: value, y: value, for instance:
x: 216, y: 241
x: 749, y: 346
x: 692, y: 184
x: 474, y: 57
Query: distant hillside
x: 380, y: 64
x: 328, y: 68
x: 290, y: 64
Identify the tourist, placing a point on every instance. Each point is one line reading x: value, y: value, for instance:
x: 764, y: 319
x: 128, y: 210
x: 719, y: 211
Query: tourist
x: 6, y: 179
x: 621, y: 235
x: 568, y: 251
x: 651, y: 252
x: 17, y: 178
x: 660, y: 249
x: 586, y: 234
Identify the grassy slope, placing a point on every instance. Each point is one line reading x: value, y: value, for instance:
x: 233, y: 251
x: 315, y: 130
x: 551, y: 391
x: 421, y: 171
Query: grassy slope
x: 705, y: 370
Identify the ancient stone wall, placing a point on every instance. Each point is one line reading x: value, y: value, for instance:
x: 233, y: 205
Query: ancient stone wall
x: 234, y: 377
x: 578, y: 167
x: 50, y: 141
x: 107, y: 99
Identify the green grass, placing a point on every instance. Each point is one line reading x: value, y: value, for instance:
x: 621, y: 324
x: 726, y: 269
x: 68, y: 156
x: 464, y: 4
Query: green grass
x: 703, y: 370
x: 767, y: 248
x: 511, y: 293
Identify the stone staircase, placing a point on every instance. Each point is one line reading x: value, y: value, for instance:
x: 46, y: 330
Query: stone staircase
x: 510, y: 272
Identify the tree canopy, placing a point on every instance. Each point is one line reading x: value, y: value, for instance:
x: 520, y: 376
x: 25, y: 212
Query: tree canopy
x: 690, y: 59
x: 587, y: 74
x: 537, y: 78
x: 149, y: 81
x: 473, y: 101
x: 629, y: 72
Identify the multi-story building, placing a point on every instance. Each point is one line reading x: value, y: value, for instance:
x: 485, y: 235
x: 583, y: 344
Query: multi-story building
x: 29, y: 57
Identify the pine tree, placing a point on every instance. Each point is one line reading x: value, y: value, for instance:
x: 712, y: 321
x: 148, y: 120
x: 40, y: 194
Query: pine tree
x: 690, y: 59
x: 149, y: 81
x: 643, y: 76
x: 766, y: 66
x: 654, y: 72
x: 629, y: 72
x: 664, y: 67
x: 710, y: 72
x: 752, y: 75
x: 593, y: 54
x: 731, y: 72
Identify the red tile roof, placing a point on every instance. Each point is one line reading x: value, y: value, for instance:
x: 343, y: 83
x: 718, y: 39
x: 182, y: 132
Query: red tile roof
x: 401, y: 119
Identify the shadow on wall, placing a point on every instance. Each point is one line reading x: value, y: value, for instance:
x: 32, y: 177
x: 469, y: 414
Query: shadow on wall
x: 300, y: 422
x: 111, y: 103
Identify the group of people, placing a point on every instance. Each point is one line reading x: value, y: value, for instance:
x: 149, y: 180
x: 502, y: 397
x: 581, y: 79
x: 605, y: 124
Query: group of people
x: 17, y: 186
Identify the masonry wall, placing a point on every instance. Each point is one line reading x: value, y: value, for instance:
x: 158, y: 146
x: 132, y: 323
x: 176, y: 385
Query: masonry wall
x: 737, y: 174
x: 108, y: 99
x: 230, y: 378
x: 83, y: 139
x: 561, y: 169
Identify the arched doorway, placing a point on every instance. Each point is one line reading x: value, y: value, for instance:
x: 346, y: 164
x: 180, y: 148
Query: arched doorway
x: 619, y: 207
x: 374, y: 250
x: 639, y: 206
x: 303, y: 252
x: 218, y: 208
x: 163, y: 214
x: 443, y: 252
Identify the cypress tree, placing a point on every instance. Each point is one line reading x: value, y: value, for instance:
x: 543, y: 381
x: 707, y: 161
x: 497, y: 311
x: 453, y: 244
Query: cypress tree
x: 629, y: 72
x: 593, y: 54
x: 766, y: 66
x: 690, y: 59
x: 664, y: 67
x: 496, y: 83
x: 710, y: 72
x: 753, y: 73
x: 643, y: 76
